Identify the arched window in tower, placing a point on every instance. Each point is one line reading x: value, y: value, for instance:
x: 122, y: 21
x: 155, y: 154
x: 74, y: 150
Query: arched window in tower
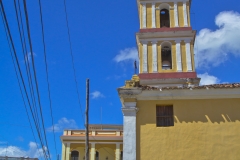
x: 164, y: 18
x: 166, y: 55
x: 97, y: 155
x: 74, y: 155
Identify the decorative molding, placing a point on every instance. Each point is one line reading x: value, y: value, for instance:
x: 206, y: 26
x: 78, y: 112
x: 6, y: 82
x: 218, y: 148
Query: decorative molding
x: 154, y: 56
x: 144, y: 15
x: 186, y: 39
x: 129, y: 128
x: 178, y: 56
x: 153, y: 15
x: 185, y: 16
x: 176, y: 14
x: 188, y: 56
x: 145, y: 58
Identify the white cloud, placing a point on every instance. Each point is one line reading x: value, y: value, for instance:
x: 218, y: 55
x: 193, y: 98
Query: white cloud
x: 213, y: 47
x: 128, y: 54
x: 62, y: 124
x: 28, y: 57
x: 207, y: 79
x: 14, y: 151
x: 97, y: 94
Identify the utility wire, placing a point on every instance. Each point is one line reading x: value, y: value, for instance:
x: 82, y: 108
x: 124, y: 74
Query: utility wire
x: 45, y: 59
x: 73, y: 65
x: 24, y: 50
x: 25, y: 106
x: 74, y: 70
x: 35, y: 75
x: 27, y: 67
x: 18, y: 66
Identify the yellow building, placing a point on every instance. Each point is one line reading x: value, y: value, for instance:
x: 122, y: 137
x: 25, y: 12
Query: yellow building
x: 105, y: 143
x: 167, y: 115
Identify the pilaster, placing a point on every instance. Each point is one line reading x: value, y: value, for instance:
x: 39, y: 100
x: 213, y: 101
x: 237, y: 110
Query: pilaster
x: 176, y: 14
x: 144, y: 15
x: 93, y: 151
x: 188, y: 55
x: 129, y: 127
x: 63, y: 151
x: 117, y: 152
x: 145, y: 57
x: 178, y: 55
x: 153, y: 15
x: 185, y: 16
x: 68, y: 151
x: 154, y: 56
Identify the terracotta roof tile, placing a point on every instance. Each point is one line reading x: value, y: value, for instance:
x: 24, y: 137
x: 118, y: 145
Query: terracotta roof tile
x: 213, y: 86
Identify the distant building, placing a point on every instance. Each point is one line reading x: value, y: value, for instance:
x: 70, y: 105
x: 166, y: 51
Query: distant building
x: 16, y: 158
x: 106, y: 143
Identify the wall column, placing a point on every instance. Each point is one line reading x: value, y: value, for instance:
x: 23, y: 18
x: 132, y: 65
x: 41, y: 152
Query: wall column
x: 178, y: 55
x: 145, y: 57
x: 117, y: 152
x: 68, y: 151
x: 63, y: 151
x: 188, y: 55
x: 154, y: 56
x: 185, y: 16
x: 93, y: 151
x: 153, y: 16
x: 144, y: 15
x: 129, y: 128
x: 176, y: 14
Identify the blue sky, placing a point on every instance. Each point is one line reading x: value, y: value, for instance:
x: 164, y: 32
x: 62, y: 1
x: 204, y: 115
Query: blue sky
x: 104, y: 47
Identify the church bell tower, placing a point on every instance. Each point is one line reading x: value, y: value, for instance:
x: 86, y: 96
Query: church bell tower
x: 166, y: 43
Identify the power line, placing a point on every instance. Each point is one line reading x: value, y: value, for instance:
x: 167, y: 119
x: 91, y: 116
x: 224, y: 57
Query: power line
x: 45, y: 59
x: 25, y: 106
x: 72, y: 58
x: 27, y: 67
x: 35, y: 75
x: 19, y: 69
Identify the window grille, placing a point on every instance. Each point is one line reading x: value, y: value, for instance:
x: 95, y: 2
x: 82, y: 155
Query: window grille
x: 164, y: 116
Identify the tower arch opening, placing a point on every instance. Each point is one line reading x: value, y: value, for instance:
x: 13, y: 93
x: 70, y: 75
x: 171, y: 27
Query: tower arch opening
x: 164, y: 15
x: 166, y: 55
x: 164, y: 18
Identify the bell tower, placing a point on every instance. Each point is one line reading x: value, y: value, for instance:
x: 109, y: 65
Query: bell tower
x: 166, y: 43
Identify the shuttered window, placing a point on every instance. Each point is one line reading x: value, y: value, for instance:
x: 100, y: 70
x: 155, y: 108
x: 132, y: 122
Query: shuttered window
x: 164, y: 116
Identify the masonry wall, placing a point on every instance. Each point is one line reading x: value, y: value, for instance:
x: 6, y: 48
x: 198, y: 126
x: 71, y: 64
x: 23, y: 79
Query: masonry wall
x: 203, y: 130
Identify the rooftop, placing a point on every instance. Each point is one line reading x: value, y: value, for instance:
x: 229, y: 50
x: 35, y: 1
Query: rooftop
x: 213, y: 86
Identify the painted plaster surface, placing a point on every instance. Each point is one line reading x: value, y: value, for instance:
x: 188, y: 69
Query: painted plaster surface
x: 203, y: 130
x: 129, y: 139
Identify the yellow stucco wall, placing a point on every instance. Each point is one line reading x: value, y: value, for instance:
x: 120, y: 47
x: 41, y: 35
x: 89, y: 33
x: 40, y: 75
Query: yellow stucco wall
x: 149, y: 48
x: 171, y: 12
x: 149, y: 15
x: 203, y: 130
x: 157, y: 16
x: 180, y: 14
x: 184, y: 58
x: 188, y: 12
